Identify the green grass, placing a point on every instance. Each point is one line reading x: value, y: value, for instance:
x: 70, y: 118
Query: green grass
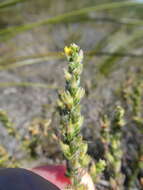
x: 26, y: 84
x: 7, y: 33
x: 9, y: 3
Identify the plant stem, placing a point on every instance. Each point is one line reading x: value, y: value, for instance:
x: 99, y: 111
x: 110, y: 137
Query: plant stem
x: 71, y: 120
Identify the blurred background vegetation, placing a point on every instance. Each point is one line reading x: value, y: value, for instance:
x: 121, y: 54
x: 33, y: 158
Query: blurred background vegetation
x: 32, y: 36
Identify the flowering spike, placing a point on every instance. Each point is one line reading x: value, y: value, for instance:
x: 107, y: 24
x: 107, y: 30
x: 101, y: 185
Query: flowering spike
x: 72, y: 144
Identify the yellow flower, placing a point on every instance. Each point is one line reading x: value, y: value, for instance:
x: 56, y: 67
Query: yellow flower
x: 68, y: 50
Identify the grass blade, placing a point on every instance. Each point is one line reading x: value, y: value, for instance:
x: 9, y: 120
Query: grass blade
x: 26, y: 84
x: 12, y: 31
x: 9, y: 3
x: 110, y: 61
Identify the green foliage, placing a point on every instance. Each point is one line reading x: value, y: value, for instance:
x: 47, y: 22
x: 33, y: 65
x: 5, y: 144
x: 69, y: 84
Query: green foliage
x: 6, y: 160
x: 133, y: 97
x: 111, y: 137
x: 38, y: 131
x: 72, y: 144
x: 9, y: 3
x: 33, y: 143
x: 96, y: 170
x: 109, y: 62
x: 12, y: 31
x: 4, y: 119
x: 26, y: 84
